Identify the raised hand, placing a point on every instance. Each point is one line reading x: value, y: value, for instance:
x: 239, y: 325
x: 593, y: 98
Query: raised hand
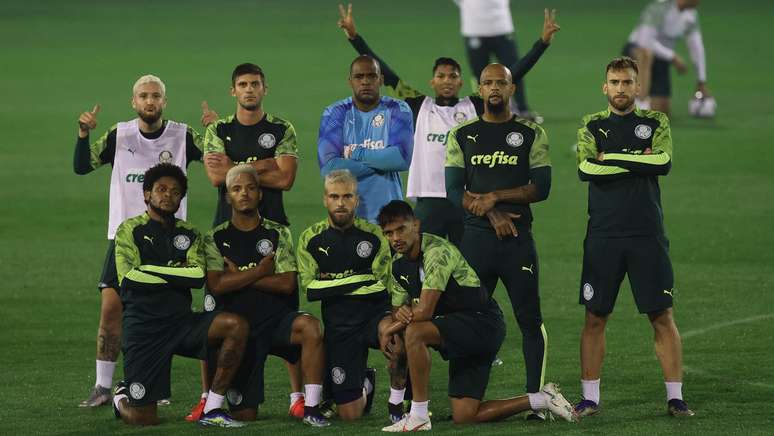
x: 209, y: 116
x: 346, y: 22
x: 88, y: 121
x: 550, y: 26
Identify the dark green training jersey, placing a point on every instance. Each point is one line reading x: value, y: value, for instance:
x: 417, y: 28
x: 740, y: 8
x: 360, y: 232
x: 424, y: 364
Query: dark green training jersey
x: 624, y: 196
x: 246, y: 249
x: 498, y: 156
x: 332, y: 262
x: 157, y: 267
x: 271, y: 137
x: 440, y: 267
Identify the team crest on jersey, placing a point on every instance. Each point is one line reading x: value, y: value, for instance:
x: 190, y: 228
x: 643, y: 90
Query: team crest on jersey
x: 588, y: 292
x: 514, y: 139
x: 267, y: 140
x: 136, y: 391
x: 378, y: 120
x: 234, y: 397
x: 643, y: 131
x: 338, y: 375
x: 165, y: 156
x: 460, y: 117
x: 209, y: 303
x: 181, y: 242
x: 364, y: 249
x: 264, y: 247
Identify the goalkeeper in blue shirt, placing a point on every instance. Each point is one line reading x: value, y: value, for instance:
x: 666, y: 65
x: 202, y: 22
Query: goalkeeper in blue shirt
x: 369, y: 135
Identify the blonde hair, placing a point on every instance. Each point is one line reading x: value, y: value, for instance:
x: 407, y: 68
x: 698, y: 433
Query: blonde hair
x: 149, y: 78
x: 340, y: 176
x: 235, y: 171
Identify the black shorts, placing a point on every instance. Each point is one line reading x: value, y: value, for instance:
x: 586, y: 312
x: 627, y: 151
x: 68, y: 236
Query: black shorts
x: 660, y: 79
x: 644, y: 259
x: 247, y: 388
x: 109, y: 277
x: 351, y: 328
x: 512, y: 260
x: 440, y: 217
x: 148, y: 357
x: 470, y: 341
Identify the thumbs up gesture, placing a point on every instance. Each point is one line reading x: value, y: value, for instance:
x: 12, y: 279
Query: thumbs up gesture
x: 209, y: 116
x: 88, y: 121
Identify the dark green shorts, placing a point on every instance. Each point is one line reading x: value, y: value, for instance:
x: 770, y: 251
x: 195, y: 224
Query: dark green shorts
x: 470, y: 341
x: 247, y: 388
x: 148, y: 357
x: 440, y: 217
x: 109, y: 276
x: 644, y: 259
x: 351, y: 328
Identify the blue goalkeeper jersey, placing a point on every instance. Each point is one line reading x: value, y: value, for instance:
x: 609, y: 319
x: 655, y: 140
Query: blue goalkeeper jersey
x: 383, y: 139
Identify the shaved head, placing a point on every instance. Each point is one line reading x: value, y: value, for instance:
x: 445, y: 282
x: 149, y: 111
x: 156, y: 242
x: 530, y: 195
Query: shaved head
x: 496, y: 88
x: 496, y: 69
x: 365, y: 60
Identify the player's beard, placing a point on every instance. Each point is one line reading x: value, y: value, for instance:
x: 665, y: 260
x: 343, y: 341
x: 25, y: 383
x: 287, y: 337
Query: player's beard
x: 167, y: 216
x: 342, y: 221
x: 250, y: 106
x: 149, y: 119
x: 621, y: 105
x: 496, y: 108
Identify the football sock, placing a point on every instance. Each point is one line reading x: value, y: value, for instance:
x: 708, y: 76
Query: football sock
x: 674, y: 390
x: 396, y: 395
x: 105, y: 369
x: 419, y: 409
x: 538, y: 401
x: 214, y: 401
x: 591, y: 390
x: 295, y: 396
x: 204, y: 395
x: 312, y: 394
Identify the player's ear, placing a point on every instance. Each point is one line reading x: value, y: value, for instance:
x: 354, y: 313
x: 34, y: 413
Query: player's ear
x: 233, y: 91
x: 260, y: 194
x: 604, y: 88
x: 146, y: 195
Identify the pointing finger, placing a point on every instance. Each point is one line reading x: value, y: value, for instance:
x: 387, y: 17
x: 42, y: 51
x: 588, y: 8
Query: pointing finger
x: 95, y: 111
x: 342, y: 12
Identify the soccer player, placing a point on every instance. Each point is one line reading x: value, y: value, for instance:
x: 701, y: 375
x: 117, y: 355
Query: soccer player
x: 652, y: 44
x: 621, y: 152
x: 496, y: 165
x: 251, y: 270
x: 159, y: 259
x: 438, y: 302
x: 368, y: 135
x: 130, y: 147
x: 269, y: 144
x: 487, y: 27
x: 344, y: 262
x: 433, y: 118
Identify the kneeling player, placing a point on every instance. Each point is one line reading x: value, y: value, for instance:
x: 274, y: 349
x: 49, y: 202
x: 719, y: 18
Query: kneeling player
x: 439, y: 303
x: 251, y: 270
x: 159, y: 259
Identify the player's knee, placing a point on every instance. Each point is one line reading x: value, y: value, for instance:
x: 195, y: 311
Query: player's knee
x: 352, y: 409
x: 661, y: 319
x: 310, y: 328
x: 413, y: 336
x: 234, y: 325
x: 245, y: 414
x: 595, y: 322
x: 463, y: 416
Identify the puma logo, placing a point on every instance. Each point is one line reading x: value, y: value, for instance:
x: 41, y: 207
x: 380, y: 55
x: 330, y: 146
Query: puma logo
x: 226, y: 244
x: 473, y: 138
x: 405, y: 279
x: 324, y: 250
x: 148, y: 238
x: 130, y: 150
x: 228, y: 138
x: 605, y: 132
x: 524, y: 268
x: 669, y: 292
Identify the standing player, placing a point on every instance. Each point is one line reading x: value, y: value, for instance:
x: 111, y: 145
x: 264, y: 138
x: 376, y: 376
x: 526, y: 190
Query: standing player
x: 652, y: 44
x: 131, y: 147
x: 159, y: 259
x: 344, y: 262
x: 266, y: 142
x: 621, y: 152
x: 368, y: 135
x: 496, y: 165
x: 438, y: 301
x: 251, y: 270
x: 433, y: 118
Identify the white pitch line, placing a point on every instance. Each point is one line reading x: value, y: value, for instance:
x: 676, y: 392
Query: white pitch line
x: 698, y: 332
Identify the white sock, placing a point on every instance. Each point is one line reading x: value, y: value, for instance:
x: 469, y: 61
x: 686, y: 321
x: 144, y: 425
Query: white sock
x: 419, y: 409
x: 105, y: 369
x: 368, y: 386
x: 214, y: 401
x: 674, y: 390
x: 117, y: 399
x: 591, y: 390
x: 295, y: 396
x: 537, y: 401
x: 204, y: 395
x: 311, y: 395
x: 396, y: 395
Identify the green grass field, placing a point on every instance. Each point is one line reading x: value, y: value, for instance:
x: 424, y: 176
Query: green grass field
x: 60, y: 58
